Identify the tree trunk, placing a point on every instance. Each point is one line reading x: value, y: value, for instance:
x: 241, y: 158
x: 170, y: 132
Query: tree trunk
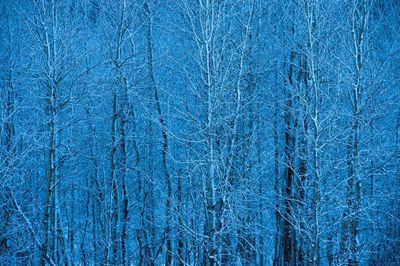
x: 164, y: 151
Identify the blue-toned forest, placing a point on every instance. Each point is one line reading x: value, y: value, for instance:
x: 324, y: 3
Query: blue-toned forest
x: 200, y: 132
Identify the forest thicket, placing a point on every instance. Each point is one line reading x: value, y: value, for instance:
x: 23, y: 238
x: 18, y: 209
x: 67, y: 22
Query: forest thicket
x: 200, y: 132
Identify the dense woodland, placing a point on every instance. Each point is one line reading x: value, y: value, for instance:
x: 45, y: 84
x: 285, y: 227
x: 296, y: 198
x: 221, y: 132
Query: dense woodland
x: 199, y: 132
